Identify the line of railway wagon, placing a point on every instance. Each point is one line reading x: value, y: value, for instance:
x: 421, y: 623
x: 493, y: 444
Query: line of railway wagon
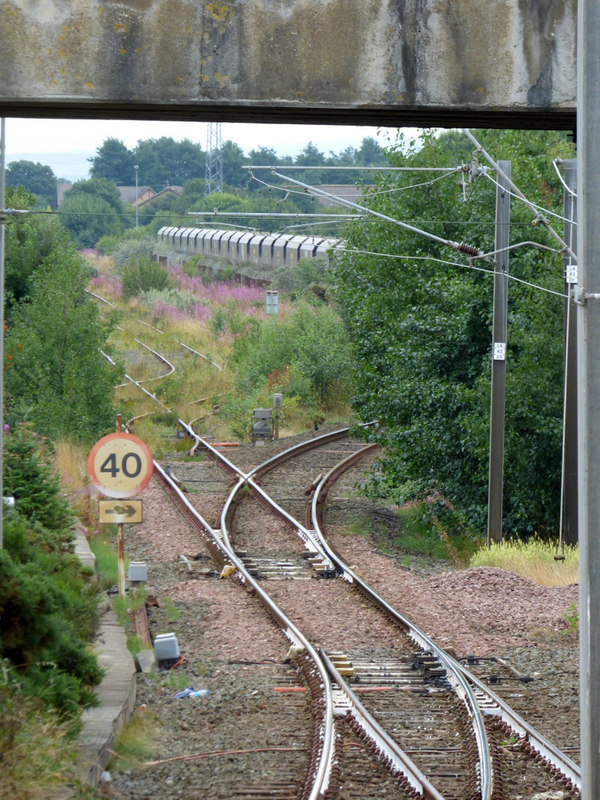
x: 244, y: 247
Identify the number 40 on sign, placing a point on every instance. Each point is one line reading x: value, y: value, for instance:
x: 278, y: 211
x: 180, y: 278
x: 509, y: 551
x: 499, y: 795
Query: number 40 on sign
x: 120, y: 465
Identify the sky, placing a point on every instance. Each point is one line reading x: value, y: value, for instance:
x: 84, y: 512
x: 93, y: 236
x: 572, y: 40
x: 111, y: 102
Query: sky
x: 65, y: 145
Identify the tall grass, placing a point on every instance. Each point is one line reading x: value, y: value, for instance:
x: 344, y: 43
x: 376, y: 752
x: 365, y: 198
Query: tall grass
x: 137, y: 741
x: 104, y: 548
x: 70, y: 462
x: 36, y: 750
x: 211, y: 317
x: 533, y: 559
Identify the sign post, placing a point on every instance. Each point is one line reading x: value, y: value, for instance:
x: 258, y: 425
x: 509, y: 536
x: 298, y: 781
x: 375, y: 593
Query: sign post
x: 120, y: 466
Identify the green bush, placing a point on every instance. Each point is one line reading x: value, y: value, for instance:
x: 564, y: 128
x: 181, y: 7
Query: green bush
x: 307, y: 274
x: 142, y: 276
x: 32, y: 483
x: 47, y: 604
x: 133, y: 250
x: 55, y: 372
x: 306, y: 353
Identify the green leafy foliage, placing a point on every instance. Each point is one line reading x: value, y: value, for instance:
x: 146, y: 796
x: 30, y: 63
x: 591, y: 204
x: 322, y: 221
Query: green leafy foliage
x: 421, y: 335
x: 28, y: 240
x: 92, y: 209
x: 306, y: 354
x: 132, y: 249
x: 115, y: 162
x: 47, y: 606
x: 309, y: 278
x: 35, y: 178
x: 144, y: 275
x: 55, y: 373
x: 32, y: 483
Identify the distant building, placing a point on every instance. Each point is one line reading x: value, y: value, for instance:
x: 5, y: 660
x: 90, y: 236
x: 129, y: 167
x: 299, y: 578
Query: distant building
x: 168, y: 190
x: 346, y: 191
x: 61, y: 188
x: 129, y: 194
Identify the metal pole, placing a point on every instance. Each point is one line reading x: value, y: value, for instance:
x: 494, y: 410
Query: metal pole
x: 2, y: 224
x: 120, y: 535
x: 569, y: 480
x: 136, y: 167
x: 588, y: 404
x: 499, y: 333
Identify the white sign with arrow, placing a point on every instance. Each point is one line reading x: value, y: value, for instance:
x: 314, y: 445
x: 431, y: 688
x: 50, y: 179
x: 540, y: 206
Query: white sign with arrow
x: 128, y: 511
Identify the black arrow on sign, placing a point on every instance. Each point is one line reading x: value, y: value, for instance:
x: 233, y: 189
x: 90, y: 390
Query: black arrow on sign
x: 129, y: 511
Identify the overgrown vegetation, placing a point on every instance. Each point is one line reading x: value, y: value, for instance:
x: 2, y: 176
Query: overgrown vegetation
x: 47, y: 604
x: 534, y: 559
x: 421, y: 333
x: 137, y: 741
x: 143, y: 275
x: 58, y: 386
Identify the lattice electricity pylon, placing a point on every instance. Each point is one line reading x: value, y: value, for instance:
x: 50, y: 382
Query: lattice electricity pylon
x: 213, y: 173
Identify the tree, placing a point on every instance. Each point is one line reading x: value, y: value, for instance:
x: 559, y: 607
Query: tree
x: 54, y: 367
x: 92, y: 209
x: 310, y: 156
x: 370, y: 153
x: 306, y: 354
x: 29, y: 239
x: 233, y: 160
x: 115, y: 162
x: 165, y: 162
x: 36, y: 178
x: 47, y: 608
x: 421, y: 333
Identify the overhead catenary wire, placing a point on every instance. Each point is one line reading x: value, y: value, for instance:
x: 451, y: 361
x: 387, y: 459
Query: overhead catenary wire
x: 299, y: 168
x: 420, y: 185
x: 461, y: 247
x: 448, y: 263
x: 537, y: 213
x: 520, y: 244
x: 566, y: 187
x: 277, y: 214
x: 556, y: 215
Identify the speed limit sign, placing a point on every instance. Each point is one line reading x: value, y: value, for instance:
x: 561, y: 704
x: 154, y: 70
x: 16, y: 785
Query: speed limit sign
x: 120, y: 465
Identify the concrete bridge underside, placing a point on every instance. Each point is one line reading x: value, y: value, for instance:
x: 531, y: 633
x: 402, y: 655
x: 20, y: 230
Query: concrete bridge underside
x: 497, y: 63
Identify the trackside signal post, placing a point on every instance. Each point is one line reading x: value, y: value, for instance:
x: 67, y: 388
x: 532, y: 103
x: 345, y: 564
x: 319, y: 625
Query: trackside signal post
x: 120, y: 466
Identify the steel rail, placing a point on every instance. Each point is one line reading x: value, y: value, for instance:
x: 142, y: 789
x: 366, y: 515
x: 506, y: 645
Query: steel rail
x: 216, y: 454
x: 324, y: 769
x: 161, y: 358
x: 397, y: 760
x: 488, y: 701
x: 455, y: 677
x: 393, y: 755
x: 154, y: 328
x: 275, y: 460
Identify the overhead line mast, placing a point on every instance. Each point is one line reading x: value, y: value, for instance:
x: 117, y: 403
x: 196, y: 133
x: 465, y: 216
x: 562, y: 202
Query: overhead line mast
x: 213, y: 171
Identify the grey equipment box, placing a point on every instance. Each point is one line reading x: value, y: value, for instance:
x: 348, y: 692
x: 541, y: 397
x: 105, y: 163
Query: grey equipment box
x: 138, y: 571
x: 166, y: 647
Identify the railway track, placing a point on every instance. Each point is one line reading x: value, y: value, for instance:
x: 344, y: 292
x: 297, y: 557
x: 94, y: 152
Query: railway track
x: 393, y: 714
x: 421, y: 688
